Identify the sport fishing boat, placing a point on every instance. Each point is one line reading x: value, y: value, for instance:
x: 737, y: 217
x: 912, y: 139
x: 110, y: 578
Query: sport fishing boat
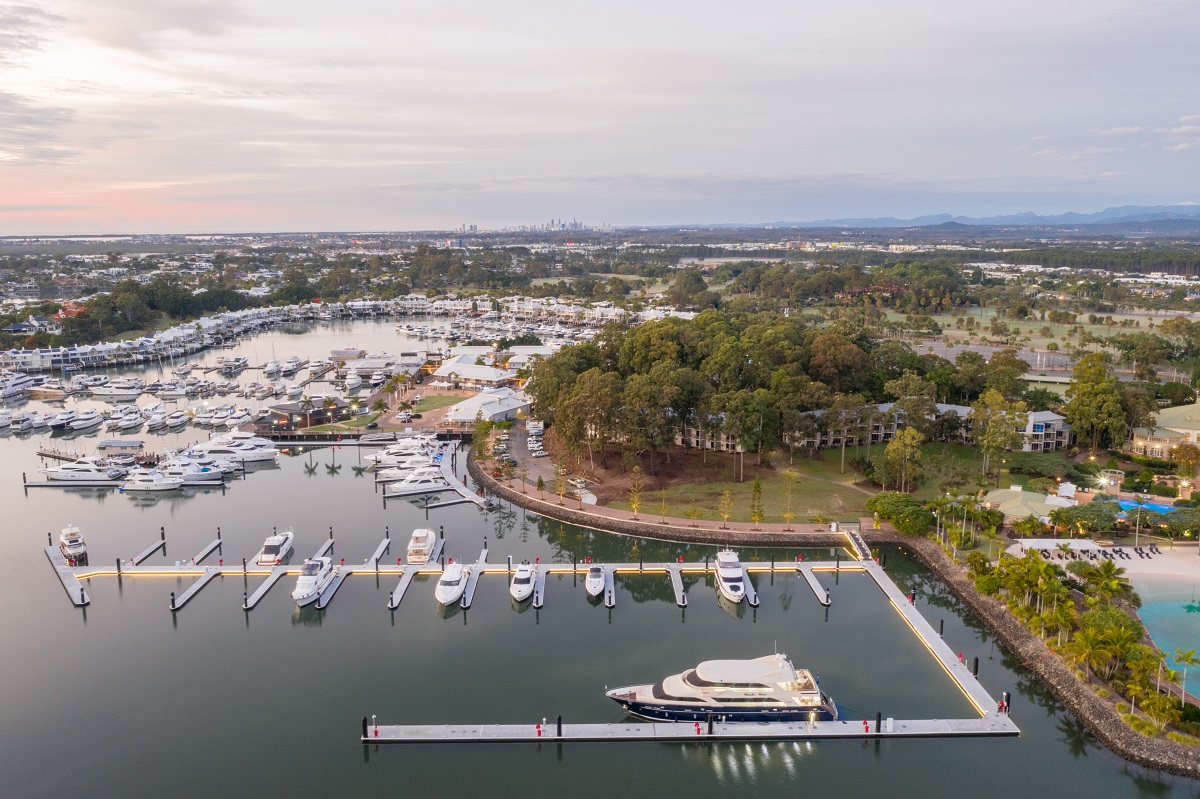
x: 730, y: 577
x: 763, y: 689
x: 71, y: 544
x: 275, y: 548
x: 420, y: 546
x: 315, y: 574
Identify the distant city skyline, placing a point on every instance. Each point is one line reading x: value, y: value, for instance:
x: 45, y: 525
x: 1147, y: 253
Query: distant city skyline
x: 152, y: 116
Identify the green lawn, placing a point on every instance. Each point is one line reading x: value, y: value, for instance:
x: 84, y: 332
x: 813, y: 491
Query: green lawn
x: 819, y: 493
x: 433, y: 403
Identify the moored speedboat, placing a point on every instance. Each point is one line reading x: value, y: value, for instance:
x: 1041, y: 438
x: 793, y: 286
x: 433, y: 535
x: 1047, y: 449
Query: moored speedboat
x: 522, y: 582
x: 420, y: 546
x: 63, y: 420
x: 451, y: 584
x: 594, y: 582
x: 763, y: 689
x: 315, y: 574
x: 71, y: 544
x: 86, y: 420
x: 730, y: 577
x: 275, y: 548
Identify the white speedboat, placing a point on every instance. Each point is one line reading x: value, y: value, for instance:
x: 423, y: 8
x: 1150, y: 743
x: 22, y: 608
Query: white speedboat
x: 730, y: 577
x: 759, y: 690
x: 71, y: 544
x: 294, y: 390
x: 400, y: 473
x: 183, y: 370
x: 275, y: 548
x: 523, y: 579
x: 177, y: 419
x: 272, y: 367
x: 130, y: 421
x: 315, y: 574
x: 88, y: 469
x: 292, y: 365
x: 157, y: 421
x: 594, y: 582
x: 87, y: 420
x: 420, y: 546
x: 150, y: 480
x: 452, y: 583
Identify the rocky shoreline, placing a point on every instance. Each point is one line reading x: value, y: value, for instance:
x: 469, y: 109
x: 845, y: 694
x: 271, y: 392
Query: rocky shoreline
x: 1100, y: 719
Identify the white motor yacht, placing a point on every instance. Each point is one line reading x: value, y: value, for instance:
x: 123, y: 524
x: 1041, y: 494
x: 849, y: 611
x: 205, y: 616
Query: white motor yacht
x: 292, y: 365
x: 594, y: 582
x: 275, y: 548
x: 157, y: 421
x: 315, y: 574
x: 203, y: 418
x: 63, y: 419
x: 522, y: 584
x: 131, y: 421
x: 41, y: 420
x: 87, y: 420
x: 183, y: 370
x: 22, y: 422
x: 272, y: 367
x: 759, y: 690
x: 730, y: 576
x: 190, y: 472
x: 71, y: 544
x: 294, y: 390
x: 353, y: 382
x: 420, y: 546
x: 452, y: 583
x: 5, y: 417
x: 118, y: 390
x: 237, y: 451
x: 87, y: 469
x: 421, y: 480
x: 150, y: 480
x: 177, y: 419
x: 186, y: 456
x: 396, y: 474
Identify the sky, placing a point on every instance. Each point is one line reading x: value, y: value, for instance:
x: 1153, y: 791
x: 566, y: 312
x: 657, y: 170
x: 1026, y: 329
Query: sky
x: 144, y: 116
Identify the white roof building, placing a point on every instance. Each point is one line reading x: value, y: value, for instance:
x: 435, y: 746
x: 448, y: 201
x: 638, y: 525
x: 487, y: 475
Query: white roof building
x: 495, y: 404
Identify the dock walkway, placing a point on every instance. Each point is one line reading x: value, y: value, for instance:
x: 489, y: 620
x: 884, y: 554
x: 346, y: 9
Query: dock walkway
x: 66, y: 575
x: 992, y: 725
x: 820, y: 591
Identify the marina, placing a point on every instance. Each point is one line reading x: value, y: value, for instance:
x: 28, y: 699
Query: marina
x: 557, y: 661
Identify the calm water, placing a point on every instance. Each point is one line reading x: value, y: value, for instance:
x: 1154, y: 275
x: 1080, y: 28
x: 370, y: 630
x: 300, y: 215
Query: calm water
x: 127, y: 699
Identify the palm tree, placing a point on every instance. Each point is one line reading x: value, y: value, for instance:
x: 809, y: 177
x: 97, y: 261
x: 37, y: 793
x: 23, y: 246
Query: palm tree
x: 1087, y: 647
x: 1185, y: 658
x: 380, y: 406
x: 306, y: 405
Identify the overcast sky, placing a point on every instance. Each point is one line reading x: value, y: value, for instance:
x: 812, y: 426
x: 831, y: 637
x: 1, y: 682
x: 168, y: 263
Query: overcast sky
x: 262, y: 115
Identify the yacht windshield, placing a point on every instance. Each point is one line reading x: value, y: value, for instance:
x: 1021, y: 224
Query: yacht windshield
x: 271, y: 549
x: 522, y: 580
x: 448, y: 582
x: 310, y: 569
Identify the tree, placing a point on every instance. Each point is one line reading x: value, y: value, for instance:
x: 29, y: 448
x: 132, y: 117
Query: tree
x: 903, y: 454
x: 541, y: 485
x: 636, y: 485
x: 998, y: 424
x: 1187, y: 459
x: 380, y: 405
x: 914, y: 401
x: 1185, y: 658
x: 790, y: 476
x: 845, y: 418
x: 756, y: 503
x: 1005, y: 373
x: 1094, y: 401
x: 726, y: 508
x: 306, y: 405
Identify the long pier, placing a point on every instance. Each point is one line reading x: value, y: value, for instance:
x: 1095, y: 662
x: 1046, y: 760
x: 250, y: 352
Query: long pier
x: 674, y: 571
x: 991, y: 725
x: 476, y: 569
x: 210, y: 574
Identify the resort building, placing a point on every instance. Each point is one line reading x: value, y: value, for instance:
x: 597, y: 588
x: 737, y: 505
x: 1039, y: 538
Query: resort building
x: 495, y: 405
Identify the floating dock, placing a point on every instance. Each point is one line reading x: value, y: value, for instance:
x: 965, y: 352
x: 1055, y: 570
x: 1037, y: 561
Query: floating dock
x: 610, y: 588
x: 751, y: 593
x: 675, y: 572
x: 820, y: 591
x: 479, y: 567
x: 66, y: 575
x: 276, y: 575
x: 210, y: 574
x: 539, y: 587
x: 991, y: 725
x: 150, y: 550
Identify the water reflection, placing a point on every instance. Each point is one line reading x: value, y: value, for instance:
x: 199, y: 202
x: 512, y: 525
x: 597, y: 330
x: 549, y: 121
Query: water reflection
x: 307, y: 616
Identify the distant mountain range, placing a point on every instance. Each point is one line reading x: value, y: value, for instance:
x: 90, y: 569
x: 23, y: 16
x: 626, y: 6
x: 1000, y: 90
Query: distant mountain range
x: 1125, y: 214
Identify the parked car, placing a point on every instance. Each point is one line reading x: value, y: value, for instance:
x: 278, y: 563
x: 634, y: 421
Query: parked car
x: 541, y: 453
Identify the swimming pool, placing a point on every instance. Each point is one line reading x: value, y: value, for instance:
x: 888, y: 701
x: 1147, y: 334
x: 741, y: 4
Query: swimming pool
x: 1157, y: 507
x: 1170, y: 610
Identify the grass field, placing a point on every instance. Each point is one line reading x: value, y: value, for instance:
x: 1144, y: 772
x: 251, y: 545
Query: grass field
x: 433, y: 403
x: 820, y: 492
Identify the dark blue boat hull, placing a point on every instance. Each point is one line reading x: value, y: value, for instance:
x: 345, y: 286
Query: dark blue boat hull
x: 656, y: 712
